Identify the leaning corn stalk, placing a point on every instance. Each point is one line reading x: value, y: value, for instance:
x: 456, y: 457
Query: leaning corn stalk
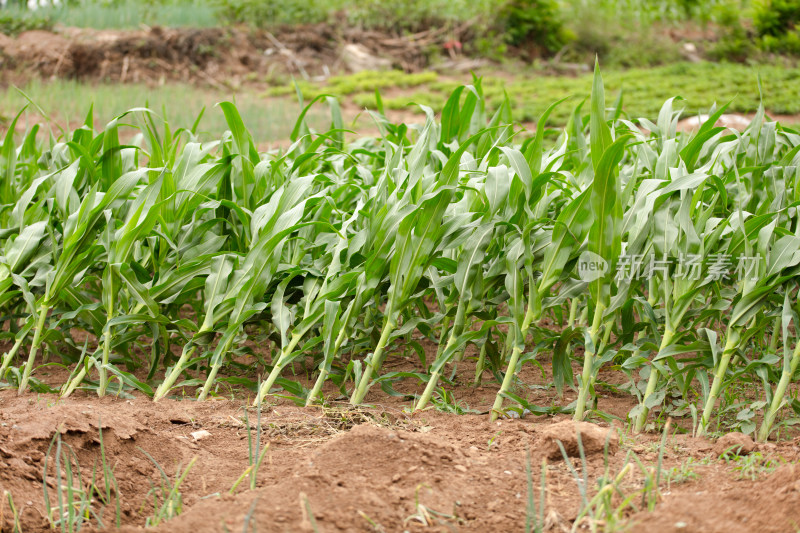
x: 76, y: 254
x: 418, y: 238
x: 779, y: 264
x: 791, y: 360
x: 332, y: 287
x: 689, y: 234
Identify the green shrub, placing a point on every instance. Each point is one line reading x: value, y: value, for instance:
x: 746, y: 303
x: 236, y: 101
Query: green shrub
x: 737, y: 48
x: 536, y: 22
x: 776, y: 17
x: 489, y: 45
x: 777, y: 23
x: 788, y: 43
x: 14, y: 22
x: 415, y: 15
x: 735, y: 42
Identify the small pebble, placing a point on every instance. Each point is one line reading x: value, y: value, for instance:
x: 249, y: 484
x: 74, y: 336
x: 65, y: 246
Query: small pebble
x: 201, y: 434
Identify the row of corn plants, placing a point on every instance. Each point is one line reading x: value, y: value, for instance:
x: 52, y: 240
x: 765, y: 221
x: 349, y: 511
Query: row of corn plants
x: 140, y: 258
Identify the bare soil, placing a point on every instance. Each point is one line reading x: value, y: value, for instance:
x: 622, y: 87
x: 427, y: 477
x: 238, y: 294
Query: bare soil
x: 379, y: 467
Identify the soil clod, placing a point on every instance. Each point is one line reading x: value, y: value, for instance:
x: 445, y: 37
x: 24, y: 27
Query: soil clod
x: 593, y: 438
x: 734, y: 444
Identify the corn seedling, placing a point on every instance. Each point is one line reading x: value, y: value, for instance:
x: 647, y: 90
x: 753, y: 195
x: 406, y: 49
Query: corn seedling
x: 308, y: 515
x: 444, y: 401
x: 255, y: 453
x: 167, y: 498
x: 428, y: 516
x: 110, y: 489
x: 535, y: 521
x: 73, y: 498
x: 682, y: 473
x: 751, y: 466
x: 602, y: 508
x: 16, y: 526
x: 376, y: 527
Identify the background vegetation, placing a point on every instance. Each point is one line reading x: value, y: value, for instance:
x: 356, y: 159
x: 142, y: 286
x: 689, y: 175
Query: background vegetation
x: 621, y: 32
x: 644, y: 90
x: 704, y: 52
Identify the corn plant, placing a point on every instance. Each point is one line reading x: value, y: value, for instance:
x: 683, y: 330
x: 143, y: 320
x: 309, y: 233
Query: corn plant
x: 169, y: 252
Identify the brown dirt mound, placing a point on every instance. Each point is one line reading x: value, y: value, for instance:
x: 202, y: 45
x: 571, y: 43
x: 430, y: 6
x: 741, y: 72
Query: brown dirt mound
x: 372, y: 474
x: 28, y: 425
x: 212, y: 56
x: 379, y: 468
x: 768, y: 506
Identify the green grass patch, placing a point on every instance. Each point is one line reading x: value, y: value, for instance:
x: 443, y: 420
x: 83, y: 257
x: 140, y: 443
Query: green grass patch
x: 66, y: 102
x: 644, y: 89
x: 15, y: 21
x: 359, y: 83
